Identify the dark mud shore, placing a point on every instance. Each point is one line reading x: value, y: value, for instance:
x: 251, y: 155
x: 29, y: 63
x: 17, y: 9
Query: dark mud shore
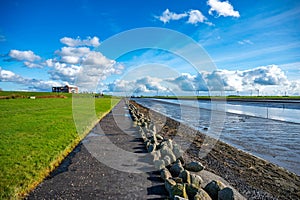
x: 253, y: 177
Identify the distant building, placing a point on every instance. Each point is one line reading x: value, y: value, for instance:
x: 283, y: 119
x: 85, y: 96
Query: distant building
x: 66, y: 89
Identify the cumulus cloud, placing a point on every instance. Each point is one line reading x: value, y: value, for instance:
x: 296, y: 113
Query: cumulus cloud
x: 222, y: 8
x: 7, y: 76
x: 142, y: 85
x: 265, y: 75
x: 23, y: 55
x: 268, y: 79
x: 70, y: 63
x: 89, y: 41
x: 64, y: 72
x: 33, y: 65
x: 33, y: 84
x: 72, y: 55
x: 167, y: 16
x: 95, y: 68
x: 195, y: 16
x: 82, y: 64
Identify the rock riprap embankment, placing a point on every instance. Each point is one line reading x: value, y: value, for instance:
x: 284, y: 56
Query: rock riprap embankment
x: 180, y: 178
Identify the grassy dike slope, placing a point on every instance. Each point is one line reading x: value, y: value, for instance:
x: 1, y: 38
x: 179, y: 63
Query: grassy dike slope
x: 35, y: 136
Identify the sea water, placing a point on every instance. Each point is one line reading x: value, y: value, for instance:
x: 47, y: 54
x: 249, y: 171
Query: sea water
x: 269, y: 130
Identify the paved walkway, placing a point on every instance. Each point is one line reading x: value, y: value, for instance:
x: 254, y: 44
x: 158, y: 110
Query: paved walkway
x: 122, y: 155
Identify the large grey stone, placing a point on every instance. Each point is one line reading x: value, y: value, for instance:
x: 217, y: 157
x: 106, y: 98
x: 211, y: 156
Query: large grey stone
x: 226, y: 194
x: 213, y: 189
x: 167, y: 160
x: 165, y: 174
x: 176, y: 168
x: 191, y: 190
x: 194, y: 166
x: 159, y: 164
x: 185, y: 175
x: 169, y: 184
x: 196, y: 180
x: 202, y: 195
x: 179, y: 190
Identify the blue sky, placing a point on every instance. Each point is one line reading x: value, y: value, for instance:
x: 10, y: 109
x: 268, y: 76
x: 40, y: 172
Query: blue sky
x: 255, y: 45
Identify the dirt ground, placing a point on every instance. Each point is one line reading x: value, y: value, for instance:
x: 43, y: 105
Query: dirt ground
x: 253, y: 177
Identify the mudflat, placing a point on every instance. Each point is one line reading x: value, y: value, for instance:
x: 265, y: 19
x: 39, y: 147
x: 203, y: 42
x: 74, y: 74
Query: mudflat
x: 251, y: 176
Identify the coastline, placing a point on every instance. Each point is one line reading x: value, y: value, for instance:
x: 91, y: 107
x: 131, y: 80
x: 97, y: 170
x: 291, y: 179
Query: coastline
x: 253, y: 177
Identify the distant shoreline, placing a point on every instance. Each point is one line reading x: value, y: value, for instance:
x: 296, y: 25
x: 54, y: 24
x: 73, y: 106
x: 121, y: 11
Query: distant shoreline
x: 271, y: 99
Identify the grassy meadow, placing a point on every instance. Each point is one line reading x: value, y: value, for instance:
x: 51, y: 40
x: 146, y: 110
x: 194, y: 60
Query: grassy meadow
x: 35, y: 136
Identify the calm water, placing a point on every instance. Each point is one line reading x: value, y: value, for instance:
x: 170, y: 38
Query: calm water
x: 268, y: 130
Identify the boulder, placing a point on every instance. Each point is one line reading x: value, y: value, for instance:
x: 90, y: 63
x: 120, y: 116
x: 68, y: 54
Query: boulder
x: 226, y: 194
x: 213, y: 188
x: 194, y: 166
x: 165, y: 174
x: 202, y: 195
x: 176, y: 168
x: 185, y: 175
x: 144, y: 124
x: 156, y: 155
x: 177, y: 179
x: 179, y: 190
x: 196, y: 180
x: 167, y: 160
x: 169, y: 142
x: 159, y: 164
x: 166, y: 151
x: 191, y: 190
x: 151, y: 147
x: 169, y: 184
x: 159, y: 137
x: 153, y: 139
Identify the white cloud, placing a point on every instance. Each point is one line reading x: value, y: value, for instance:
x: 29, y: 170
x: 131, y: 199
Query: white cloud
x: 64, y: 72
x: 70, y: 59
x: 33, y: 65
x: 243, y: 42
x: 73, y: 51
x: 23, y: 55
x: 7, y: 76
x: 222, y: 8
x: 73, y: 55
x: 168, y: 16
x: 142, y: 85
x: 268, y: 79
x: 32, y: 84
x: 94, y: 42
x: 66, y: 66
x: 195, y: 16
x: 96, y: 68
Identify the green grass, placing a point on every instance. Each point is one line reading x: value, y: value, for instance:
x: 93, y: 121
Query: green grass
x: 35, y: 136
